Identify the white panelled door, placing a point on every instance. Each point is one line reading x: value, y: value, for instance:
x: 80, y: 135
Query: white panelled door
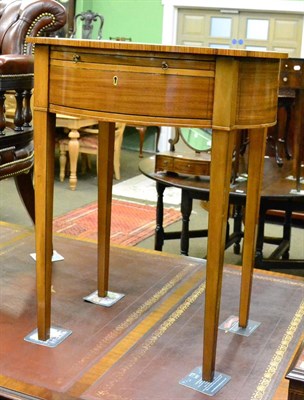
x: 240, y: 29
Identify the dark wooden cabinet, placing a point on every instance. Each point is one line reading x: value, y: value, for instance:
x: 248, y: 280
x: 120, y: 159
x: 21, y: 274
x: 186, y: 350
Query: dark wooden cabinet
x: 69, y: 27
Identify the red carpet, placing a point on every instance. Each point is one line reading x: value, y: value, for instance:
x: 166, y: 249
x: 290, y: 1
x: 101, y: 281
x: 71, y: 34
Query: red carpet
x: 131, y: 222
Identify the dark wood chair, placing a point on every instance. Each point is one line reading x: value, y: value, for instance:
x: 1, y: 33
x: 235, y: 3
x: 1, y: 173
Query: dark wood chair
x: 88, y: 18
x: 20, y: 19
x: 279, y: 136
x: 289, y: 130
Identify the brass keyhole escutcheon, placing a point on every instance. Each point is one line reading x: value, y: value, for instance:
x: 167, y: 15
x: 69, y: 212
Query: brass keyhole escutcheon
x: 115, y: 80
x: 165, y: 65
x: 76, y: 58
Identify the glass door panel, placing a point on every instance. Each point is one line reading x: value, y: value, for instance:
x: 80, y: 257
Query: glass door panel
x: 256, y: 48
x: 222, y: 30
x: 220, y: 27
x: 257, y: 29
x: 206, y: 28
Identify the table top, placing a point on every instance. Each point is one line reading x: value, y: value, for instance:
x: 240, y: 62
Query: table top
x: 241, y: 82
x: 116, y: 45
x: 275, y: 180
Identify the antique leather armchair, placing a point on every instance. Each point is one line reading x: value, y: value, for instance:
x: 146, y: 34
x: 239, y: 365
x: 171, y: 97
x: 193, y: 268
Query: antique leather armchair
x: 20, y: 19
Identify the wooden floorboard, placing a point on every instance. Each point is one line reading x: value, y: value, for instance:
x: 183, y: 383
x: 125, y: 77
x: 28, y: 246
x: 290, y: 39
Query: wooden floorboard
x: 144, y: 345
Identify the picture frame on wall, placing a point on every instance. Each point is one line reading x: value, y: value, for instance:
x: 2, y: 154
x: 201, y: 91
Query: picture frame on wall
x: 67, y: 30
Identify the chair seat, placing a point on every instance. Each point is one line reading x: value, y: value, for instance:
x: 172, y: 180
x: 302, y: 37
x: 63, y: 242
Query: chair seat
x: 87, y: 143
x: 16, y: 64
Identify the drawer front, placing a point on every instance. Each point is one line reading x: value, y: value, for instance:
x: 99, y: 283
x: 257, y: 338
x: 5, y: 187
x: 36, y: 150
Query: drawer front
x: 164, y: 163
x: 135, y: 59
x: 113, y: 84
x: 192, y: 167
x: 171, y: 162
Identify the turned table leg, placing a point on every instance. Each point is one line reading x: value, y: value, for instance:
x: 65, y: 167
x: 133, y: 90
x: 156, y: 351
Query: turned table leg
x: 159, y: 229
x: 186, y: 209
x: 73, y: 155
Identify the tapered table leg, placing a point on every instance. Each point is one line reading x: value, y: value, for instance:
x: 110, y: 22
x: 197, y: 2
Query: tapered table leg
x: 105, y: 177
x: 257, y: 143
x: 220, y: 175
x: 44, y: 188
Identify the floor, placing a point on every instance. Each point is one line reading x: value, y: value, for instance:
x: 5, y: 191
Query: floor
x: 147, y: 344
x: 11, y: 210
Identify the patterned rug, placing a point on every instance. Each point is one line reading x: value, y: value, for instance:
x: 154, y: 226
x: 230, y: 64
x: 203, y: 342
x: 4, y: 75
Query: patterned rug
x: 142, y: 189
x: 131, y: 222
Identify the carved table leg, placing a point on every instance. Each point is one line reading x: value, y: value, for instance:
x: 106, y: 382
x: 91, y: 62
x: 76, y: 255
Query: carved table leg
x: 157, y: 137
x: 142, y: 131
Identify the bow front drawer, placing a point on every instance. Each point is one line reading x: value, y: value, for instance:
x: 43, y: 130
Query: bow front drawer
x: 133, y: 84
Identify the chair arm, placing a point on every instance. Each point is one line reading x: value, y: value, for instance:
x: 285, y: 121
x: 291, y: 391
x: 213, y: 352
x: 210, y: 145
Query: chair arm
x: 33, y: 19
x: 17, y: 75
x: 16, y: 154
x: 11, y: 64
